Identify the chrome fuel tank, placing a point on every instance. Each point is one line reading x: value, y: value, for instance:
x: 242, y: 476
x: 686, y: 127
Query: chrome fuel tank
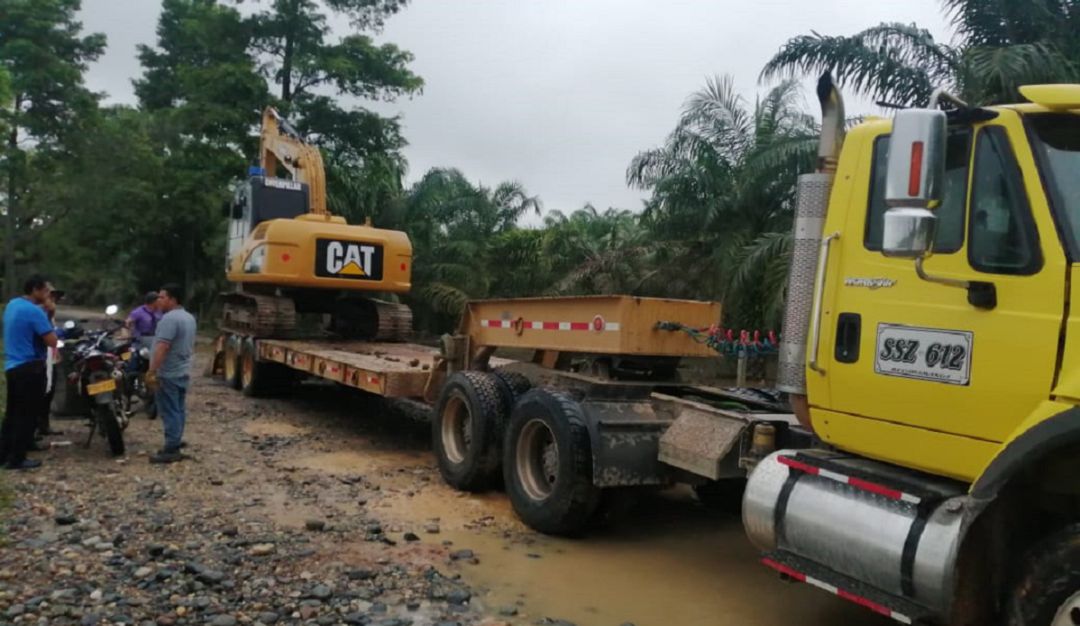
x: 898, y: 542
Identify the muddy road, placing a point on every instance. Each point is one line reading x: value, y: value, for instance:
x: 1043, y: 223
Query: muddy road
x: 329, y: 455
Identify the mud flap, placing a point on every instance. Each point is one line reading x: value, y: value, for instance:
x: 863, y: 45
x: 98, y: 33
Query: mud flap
x: 699, y: 441
x: 625, y: 438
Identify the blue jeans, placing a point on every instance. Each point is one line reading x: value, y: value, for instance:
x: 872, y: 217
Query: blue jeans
x: 170, y: 397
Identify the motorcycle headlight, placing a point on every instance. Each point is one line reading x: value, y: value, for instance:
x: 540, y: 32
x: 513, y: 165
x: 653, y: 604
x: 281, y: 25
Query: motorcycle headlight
x: 255, y: 261
x: 144, y: 353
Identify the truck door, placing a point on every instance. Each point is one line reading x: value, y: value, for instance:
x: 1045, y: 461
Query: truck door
x: 901, y: 349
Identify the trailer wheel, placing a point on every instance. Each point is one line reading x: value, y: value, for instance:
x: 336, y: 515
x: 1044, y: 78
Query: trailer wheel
x: 256, y: 379
x: 1048, y: 593
x: 547, y: 464
x: 513, y: 385
x: 231, y: 365
x: 723, y: 496
x: 465, y: 431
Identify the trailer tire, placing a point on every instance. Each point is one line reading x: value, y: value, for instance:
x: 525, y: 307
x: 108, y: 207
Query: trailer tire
x: 257, y: 379
x: 231, y: 358
x: 1048, y: 592
x: 547, y: 464
x: 465, y: 428
x: 512, y: 386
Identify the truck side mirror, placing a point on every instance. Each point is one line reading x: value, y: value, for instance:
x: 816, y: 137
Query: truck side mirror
x: 916, y: 172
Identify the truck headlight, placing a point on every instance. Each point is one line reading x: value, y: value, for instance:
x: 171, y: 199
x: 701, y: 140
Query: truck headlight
x: 255, y: 261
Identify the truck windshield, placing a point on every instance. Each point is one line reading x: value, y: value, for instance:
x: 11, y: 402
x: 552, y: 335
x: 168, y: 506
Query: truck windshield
x: 1057, y: 142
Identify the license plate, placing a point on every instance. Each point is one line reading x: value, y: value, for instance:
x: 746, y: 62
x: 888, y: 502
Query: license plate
x: 104, y: 386
x: 125, y: 356
x: 941, y: 356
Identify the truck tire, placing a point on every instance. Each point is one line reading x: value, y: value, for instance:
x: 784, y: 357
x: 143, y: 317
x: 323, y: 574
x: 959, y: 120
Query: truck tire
x: 722, y: 496
x: 465, y: 428
x: 1048, y: 592
x: 231, y: 365
x: 512, y: 386
x: 110, y: 427
x: 256, y: 378
x: 547, y: 464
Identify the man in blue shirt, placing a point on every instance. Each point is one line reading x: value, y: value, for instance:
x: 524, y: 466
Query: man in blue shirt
x: 170, y: 370
x: 27, y: 334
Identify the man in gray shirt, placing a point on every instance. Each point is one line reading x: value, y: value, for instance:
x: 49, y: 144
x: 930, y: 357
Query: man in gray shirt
x: 170, y: 370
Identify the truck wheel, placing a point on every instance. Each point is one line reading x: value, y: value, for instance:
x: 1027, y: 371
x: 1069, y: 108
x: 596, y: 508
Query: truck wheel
x: 256, y: 379
x: 110, y: 427
x: 512, y: 386
x: 231, y: 366
x: 547, y: 464
x: 723, y: 496
x: 1048, y: 593
x: 464, y: 431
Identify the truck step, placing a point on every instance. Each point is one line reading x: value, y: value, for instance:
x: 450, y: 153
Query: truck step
x: 798, y: 569
x: 881, y: 478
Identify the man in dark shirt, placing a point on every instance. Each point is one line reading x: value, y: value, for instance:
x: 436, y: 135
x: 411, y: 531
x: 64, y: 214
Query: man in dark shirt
x: 27, y: 334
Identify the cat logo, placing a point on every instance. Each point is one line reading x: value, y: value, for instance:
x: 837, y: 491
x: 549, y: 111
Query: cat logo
x: 348, y: 259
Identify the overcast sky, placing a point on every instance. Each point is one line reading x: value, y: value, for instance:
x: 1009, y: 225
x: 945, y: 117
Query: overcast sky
x: 556, y: 94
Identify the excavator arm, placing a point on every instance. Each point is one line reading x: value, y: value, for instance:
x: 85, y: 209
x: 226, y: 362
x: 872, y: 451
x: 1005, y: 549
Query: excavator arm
x: 281, y: 144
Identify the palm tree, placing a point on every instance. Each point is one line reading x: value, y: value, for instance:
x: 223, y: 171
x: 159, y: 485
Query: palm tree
x: 459, y: 233
x: 1001, y: 45
x: 722, y: 197
x: 595, y: 252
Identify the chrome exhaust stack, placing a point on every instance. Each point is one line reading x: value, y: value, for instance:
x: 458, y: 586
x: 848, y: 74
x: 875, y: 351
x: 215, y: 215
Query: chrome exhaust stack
x: 812, y: 205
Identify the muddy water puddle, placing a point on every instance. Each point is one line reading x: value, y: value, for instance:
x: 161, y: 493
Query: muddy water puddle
x: 667, y: 563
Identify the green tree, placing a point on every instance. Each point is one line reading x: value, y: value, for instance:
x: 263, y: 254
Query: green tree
x: 593, y: 252
x: 1000, y: 46
x: 100, y: 254
x: 314, y: 71
x: 45, y: 54
x: 722, y: 198
x: 460, y: 232
x: 204, y: 95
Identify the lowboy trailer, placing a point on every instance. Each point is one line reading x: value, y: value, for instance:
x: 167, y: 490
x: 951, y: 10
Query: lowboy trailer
x: 600, y: 407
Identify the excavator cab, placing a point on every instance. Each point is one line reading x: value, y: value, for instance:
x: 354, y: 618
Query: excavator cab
x: 261, y: 199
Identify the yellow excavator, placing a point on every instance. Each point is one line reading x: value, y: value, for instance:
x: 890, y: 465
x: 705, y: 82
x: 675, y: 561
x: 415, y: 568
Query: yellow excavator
x: 287, y: 255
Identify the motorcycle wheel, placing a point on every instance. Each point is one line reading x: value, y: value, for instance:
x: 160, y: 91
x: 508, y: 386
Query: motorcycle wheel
x: 110, y: 427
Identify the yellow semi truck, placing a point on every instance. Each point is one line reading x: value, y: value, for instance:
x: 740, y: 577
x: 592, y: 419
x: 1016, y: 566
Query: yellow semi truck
x: 930, y: 343
x: 927, y: 469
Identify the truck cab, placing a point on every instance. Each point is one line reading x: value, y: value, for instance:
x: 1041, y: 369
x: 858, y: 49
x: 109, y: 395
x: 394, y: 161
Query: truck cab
x: 930, y: 342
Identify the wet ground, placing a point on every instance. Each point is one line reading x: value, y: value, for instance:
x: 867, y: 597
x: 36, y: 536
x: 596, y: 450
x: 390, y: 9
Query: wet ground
x: 331, y: 454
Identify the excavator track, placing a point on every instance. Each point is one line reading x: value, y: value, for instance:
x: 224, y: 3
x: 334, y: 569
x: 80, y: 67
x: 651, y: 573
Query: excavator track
x: 275, y: 316
x: 258, y: 315
x: 395, y: 321
x: 376, y: 320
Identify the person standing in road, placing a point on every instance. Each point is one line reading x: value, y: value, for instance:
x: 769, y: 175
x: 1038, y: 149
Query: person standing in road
x: 27, y: 335
x: 142, y: 322
x: 170, y: 370
x: 52, y: 357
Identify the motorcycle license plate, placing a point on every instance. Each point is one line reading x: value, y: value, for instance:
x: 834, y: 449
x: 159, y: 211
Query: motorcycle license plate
x: 125, y: 356
x: 104, y: 386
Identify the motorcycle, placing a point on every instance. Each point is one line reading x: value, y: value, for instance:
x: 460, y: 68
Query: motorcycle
x: 97, y: 378
x: 134, y: 389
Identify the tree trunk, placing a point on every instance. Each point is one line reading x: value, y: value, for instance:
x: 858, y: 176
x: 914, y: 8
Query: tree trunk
x: 10, y: 289
x: 287, y: 60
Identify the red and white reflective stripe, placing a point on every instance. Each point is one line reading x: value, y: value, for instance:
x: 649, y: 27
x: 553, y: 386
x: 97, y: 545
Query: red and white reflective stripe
x: 836, y: 591
x: 607, y: 326
x: 858, y: 483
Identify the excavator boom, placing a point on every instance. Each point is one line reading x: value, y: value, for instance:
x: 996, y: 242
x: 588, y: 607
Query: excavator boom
x: 280, y: 144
